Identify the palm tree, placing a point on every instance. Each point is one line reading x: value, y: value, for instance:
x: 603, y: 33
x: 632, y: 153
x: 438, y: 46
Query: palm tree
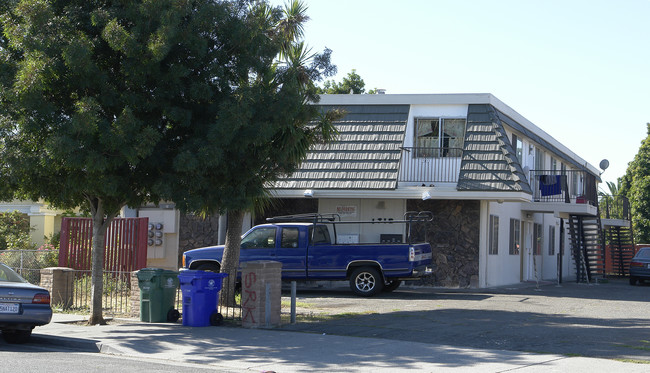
x: 290, y: 79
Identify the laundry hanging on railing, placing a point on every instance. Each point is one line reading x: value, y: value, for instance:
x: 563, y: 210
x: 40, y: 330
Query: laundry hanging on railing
x: 550, y: 185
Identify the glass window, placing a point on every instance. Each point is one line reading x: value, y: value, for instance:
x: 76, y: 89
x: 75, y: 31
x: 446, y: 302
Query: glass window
x: 539, y: 159
x: 289, y: 238
x: 494, y: 235
x: 321, y: 235
x: 518, y: 144
x: 515, y: 236
x: 551, y: 240
x: 439, y: 137
x: 260, y: 238
x: 537, y: 239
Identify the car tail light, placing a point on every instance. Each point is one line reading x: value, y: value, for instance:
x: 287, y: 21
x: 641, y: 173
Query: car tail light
x: 183, y: 262
x: 636, y: 264
x: 41, y: 298
x: 411, y: 254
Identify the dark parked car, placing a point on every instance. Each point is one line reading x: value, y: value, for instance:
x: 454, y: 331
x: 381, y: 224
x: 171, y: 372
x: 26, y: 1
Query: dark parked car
x: 640, y: 266
x: 23, y: 306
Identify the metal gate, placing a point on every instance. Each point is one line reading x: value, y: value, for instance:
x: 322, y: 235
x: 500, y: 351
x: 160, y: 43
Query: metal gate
x: 125, y: 242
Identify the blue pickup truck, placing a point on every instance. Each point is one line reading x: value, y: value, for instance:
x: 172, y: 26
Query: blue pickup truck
x: 308, y: 251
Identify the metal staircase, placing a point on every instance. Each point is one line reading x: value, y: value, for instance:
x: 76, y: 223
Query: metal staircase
x: 620, y: 245
x: 618, y: 234
x: 586, y: 243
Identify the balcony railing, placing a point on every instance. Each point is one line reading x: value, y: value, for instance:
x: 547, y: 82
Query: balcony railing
x: 614, y: 207
x: 430, y: 165
x: 563, y: 186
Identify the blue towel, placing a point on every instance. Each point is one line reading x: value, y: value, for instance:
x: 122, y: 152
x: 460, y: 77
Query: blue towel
x: 550, y: 185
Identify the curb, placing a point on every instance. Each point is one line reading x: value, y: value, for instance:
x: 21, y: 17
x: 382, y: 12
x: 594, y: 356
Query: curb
x: 84, y: 345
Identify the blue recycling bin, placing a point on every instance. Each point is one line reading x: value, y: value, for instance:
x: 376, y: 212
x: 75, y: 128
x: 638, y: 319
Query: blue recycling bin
x: 200, y: 291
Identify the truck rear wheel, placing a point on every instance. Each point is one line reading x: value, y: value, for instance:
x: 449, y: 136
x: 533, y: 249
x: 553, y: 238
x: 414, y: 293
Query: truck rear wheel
x: 366, y: 281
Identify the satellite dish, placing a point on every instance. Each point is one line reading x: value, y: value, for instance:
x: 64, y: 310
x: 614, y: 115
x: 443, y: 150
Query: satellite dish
x: 604, y: 164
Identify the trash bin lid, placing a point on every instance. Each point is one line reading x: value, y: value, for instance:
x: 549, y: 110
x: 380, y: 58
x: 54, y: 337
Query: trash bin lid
x: 147, y: 274
x: 192, y: 273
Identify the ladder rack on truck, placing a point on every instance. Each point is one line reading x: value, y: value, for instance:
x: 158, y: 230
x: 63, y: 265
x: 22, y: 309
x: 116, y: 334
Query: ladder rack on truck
x: 334, y: 219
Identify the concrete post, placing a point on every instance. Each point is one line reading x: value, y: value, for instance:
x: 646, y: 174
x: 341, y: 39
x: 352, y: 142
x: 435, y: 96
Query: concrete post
x: 257, y: 310
x: 59, y: 281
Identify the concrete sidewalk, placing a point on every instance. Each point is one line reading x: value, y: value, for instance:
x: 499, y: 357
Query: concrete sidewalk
x: 234, y: 349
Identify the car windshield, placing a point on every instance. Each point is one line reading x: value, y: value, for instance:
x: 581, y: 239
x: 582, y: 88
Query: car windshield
x: 643, y: 254
x: 8, y: 275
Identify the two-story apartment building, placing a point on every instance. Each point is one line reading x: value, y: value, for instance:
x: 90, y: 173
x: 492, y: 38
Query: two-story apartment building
x: 509, y: 201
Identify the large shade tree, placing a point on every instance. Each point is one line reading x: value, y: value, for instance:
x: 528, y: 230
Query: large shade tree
x: 635, y: 185
x: 107, y: 103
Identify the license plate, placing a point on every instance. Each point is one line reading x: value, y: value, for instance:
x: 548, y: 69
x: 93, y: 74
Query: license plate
x: 9, y: 308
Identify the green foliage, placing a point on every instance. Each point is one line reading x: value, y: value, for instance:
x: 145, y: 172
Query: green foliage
x: 114, y: 103
x: 635, y: 185
x: 14, y: 232
x: 350, y: 84
x: 264, y: 127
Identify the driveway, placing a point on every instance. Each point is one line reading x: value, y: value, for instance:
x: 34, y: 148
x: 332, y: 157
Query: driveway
x: 607, y: 320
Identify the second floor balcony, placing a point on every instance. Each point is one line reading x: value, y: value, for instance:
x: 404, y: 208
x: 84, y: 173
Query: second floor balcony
x: 564, y: 186
x: 557, y: 191
x: 430, y: 165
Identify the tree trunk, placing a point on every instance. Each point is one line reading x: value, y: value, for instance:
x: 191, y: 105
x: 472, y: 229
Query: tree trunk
x: 230, y: 261
x: 100, y: 224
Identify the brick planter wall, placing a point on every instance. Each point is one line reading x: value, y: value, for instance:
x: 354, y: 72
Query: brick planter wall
x: 59, y: 281
x: 255, y: 277
x: 135, y: 295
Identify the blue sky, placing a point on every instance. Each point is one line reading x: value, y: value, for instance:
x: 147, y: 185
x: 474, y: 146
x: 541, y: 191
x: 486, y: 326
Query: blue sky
x: 577, y: 69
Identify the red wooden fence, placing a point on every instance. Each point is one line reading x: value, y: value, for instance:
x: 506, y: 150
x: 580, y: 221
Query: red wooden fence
x: 126, y: 244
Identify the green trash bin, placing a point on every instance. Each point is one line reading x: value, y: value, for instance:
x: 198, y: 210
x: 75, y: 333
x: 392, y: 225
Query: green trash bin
x: 158, y: 295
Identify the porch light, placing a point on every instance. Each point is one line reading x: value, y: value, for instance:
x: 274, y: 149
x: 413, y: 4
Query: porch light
x: 426, y: 195
x: 308, y: 193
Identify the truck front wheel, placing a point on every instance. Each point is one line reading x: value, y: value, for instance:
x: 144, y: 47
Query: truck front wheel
x: 366, y: 281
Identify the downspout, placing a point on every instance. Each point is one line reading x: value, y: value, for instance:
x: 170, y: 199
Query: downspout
x: 483, y: 244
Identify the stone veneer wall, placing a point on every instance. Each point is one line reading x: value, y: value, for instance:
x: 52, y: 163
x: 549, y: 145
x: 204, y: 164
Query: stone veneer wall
x: 195, y: 232
x: 454, y: 238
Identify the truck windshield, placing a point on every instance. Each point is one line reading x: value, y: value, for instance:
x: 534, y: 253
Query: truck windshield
x: 259, y: 238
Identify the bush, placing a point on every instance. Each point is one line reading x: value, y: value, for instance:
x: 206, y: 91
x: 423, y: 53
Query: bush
x: 14, y: 232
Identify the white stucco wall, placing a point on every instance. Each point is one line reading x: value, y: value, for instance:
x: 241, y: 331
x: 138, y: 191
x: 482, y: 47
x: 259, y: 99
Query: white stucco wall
x: 504, y: 268
x: 357, y: 209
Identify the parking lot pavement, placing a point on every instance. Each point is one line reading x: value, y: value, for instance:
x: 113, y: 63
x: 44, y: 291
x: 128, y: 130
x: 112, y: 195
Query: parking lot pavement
x: 606, y: 320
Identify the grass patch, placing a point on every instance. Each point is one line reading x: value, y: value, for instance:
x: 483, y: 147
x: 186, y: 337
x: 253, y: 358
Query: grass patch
x: 633, y: 361
x: 321, y: 317
x: 287, y: 304
x: 641, y: 348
